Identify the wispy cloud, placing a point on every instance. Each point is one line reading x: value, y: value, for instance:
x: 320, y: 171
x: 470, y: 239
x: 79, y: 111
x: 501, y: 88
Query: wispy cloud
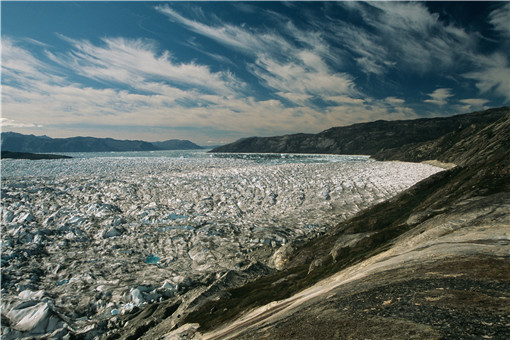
x: 492, y: 75
x: 302, y: 78
x: 394, y: 101
x: 404, y: 35
x: 230, y: 35
x: 440, y: 96
x: 296, y: 73
x: 33, y: 96
x: 285, y: 75
x: 9, y: 123
x: 500, y: 19
x: 134, y: 61
x: 21, y: 65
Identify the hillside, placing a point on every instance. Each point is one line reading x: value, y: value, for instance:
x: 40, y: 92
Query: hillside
x: 433, y: 262
x: 17, y: 142
x: 366, y: 138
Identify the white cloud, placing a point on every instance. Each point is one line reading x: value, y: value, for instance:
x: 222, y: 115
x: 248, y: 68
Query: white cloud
x: 402, y: 35
x: 394, y: 101
x: 471, y: 104
x: 300, y: 78
x: 474, y: 101
x: 132, y: 61
x: 345, y: 100
x: 299, y: 72
x: 9, y: 123
x: 492, y: 75
x: 440, y: 96
x: 297, y: 98
x: 500, y: 19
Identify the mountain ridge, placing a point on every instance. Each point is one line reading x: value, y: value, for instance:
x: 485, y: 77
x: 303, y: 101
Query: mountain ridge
x: 365, y: 138
x: 16, y: 142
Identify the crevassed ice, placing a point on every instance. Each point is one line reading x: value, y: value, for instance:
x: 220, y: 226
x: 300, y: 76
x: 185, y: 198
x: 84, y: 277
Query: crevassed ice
x: 89, y: 230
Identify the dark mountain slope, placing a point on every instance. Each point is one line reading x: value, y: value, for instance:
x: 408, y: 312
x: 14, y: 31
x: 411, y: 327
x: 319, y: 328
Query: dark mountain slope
x: 176, y: 144
x: 365, y: 138
x: 473, y: 144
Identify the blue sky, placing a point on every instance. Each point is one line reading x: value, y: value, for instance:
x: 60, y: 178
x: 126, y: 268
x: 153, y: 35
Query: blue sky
x: 213, y: 72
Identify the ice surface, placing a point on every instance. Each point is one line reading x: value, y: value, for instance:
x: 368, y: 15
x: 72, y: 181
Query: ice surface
x: 102, y: 234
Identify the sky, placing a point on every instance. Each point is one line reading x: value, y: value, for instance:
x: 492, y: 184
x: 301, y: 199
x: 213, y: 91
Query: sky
x: 214, y: 72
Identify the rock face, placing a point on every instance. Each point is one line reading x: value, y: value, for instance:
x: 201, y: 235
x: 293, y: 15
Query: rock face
x: 17, y: 142
x: 368, y: 138
x: 432, y: 262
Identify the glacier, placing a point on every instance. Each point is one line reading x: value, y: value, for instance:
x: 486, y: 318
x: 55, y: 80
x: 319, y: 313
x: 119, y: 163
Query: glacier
x: 87, y: 238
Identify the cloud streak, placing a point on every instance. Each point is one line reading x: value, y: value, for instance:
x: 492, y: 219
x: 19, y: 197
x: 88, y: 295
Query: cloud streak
x: 131, y: 61
x: 296, y: 73
x: 440, y: 97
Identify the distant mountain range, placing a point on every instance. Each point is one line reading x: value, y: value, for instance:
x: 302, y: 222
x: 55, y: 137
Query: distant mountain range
x: 16, y: 142
x: 374, y: 138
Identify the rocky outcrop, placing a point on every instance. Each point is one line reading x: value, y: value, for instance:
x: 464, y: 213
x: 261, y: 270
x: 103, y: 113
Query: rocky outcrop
x: 367, y: 138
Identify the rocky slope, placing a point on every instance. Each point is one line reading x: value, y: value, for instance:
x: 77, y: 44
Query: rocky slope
x: 368, y: 138
x: 17, y: 142
x: 433, y: 262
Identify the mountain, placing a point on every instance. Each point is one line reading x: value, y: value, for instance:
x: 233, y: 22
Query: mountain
x: 17, y: 142
x: 473, y: 144
x: 176, y: 144
x: 365, y: 138
x: 432, y: 262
